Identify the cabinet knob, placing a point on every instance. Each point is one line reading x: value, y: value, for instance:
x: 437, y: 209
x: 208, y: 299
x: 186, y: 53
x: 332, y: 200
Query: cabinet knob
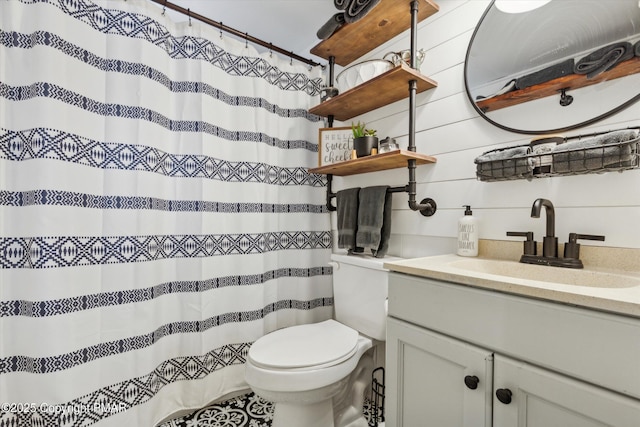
x: 471, y: 381
x: 504, y: 395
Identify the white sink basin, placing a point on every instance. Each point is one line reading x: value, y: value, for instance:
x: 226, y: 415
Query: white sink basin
x: 615, y: 291
x: 566, y: 276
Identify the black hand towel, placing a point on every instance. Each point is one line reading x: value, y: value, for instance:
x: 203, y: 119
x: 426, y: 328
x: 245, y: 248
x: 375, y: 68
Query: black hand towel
x: 347, y: 212
x: 358, y: 9
x: 604, y: 59
x: 554, y: 71
x: 331, y: 26
x: 374, y: 220
x: 341, y: 4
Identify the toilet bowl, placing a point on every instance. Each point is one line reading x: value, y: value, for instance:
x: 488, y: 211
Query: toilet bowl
x: 284, y: 368
x: 316, y: 374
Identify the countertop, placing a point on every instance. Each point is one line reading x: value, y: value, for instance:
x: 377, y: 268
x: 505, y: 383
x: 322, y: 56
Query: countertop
x: 615, y: 291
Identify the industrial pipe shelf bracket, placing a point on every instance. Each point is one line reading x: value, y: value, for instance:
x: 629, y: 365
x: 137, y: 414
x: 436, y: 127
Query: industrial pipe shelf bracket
x: 427, y: 207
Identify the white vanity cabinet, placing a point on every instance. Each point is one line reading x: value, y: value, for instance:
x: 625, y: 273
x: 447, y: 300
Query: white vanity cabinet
x: 543, y: 398
x: 426, y: 385
x: 552, y: 365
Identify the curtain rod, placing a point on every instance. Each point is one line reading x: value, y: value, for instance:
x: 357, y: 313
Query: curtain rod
x: 221, y: 26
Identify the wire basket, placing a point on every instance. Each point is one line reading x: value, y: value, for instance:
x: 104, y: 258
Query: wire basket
x: 593, y: 153
x: 377, y: 397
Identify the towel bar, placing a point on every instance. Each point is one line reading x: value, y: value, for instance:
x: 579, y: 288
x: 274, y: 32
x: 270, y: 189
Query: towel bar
x: 427, y: 207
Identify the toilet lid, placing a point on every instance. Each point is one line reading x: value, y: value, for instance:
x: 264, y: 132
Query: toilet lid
x: 304, y: 346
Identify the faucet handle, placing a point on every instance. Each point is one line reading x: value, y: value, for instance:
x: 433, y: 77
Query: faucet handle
x: 572, y: 247
x: 530, y: 245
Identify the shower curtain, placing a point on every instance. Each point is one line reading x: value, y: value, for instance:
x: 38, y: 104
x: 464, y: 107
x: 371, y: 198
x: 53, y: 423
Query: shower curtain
x: 156, y: 213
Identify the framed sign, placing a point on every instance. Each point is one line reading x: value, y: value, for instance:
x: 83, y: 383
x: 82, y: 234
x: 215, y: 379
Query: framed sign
x: 334, y: 145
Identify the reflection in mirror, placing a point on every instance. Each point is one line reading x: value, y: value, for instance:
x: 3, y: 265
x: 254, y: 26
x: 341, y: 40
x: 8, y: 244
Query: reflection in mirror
x: 562, y: 65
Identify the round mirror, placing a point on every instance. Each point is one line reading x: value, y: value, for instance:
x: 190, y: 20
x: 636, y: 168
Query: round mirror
x: 560, y: 65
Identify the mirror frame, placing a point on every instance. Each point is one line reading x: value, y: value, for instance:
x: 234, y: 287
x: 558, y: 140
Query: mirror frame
x: 523, y: 131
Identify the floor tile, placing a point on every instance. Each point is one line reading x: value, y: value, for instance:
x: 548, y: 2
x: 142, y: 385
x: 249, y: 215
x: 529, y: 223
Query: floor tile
x: 247, y: 410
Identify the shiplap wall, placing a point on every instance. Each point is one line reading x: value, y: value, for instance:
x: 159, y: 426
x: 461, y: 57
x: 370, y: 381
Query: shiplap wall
x: 449, y: 128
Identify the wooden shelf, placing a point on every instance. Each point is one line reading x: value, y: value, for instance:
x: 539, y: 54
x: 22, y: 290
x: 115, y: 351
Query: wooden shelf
x: 553, y: 87
x: 379, y: 162
x: 384, y: 89
x: 385, y: 21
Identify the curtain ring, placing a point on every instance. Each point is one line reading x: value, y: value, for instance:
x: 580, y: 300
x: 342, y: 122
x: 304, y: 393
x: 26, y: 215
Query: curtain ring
x: 189, y: 15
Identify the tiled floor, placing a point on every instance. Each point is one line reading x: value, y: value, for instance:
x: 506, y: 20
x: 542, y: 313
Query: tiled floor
x: 244, y: 411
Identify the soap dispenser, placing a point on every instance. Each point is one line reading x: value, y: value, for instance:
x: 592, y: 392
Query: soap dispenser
x: 467, y: 234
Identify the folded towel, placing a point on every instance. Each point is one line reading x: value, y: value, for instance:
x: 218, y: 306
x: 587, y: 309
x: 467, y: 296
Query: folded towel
x: 331, y: 26
x: 508, y: 87
x: 504, y: 163
x: 347, y: 212
x: 358, y: 9
x: 554, y: 71
x: 503, y: 153
x: 341, y: 4
x: 374, y: 220
x: 604, y: 59
x: 610, y: 150
x: 614, y: 137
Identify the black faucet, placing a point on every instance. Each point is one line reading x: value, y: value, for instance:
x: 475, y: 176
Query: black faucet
x: 550, y: 241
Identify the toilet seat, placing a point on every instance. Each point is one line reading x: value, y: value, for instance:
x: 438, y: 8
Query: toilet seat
x: 305, y: 347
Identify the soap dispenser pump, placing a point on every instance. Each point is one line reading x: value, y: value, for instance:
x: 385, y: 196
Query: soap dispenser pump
x: 467, y: 234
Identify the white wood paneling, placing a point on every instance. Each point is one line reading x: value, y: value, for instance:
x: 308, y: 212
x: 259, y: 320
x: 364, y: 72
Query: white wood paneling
x: 449, y: 128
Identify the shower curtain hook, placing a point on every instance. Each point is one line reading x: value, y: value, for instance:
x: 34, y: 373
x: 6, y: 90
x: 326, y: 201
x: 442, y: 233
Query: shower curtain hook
x: 291, y: 58
x: 221, y: 25
x: 189, y: 15
x: 270, y: 50
x: 164, y: 8
x: 246, y: 40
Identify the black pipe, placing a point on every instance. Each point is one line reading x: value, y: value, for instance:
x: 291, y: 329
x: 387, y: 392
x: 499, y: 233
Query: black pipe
x: 413, y: 88
x: 427, y: 207
x: 330, y: 194
x: 233, y: 31
x: 414, y: 33
x: 402, y: 189
x: 332, y: 65
x: 413, y: 84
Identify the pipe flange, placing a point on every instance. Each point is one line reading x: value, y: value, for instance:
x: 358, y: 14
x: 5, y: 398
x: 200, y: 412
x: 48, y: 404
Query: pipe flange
x: 431, y: 207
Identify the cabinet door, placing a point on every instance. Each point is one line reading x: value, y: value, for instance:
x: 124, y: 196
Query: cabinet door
x: 426, y: 375
x: 540, y: 398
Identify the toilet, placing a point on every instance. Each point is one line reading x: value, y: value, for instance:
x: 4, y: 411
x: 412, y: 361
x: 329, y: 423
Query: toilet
x: 317, y: 374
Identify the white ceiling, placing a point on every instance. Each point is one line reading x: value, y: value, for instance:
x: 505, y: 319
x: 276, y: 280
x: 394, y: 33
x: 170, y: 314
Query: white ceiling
x: 289, y: 24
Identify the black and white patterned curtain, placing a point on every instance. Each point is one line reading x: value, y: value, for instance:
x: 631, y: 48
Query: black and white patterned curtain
x: 156, y: 213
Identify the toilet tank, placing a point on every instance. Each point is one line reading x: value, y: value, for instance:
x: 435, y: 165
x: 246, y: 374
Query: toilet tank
x: 360, y: 289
